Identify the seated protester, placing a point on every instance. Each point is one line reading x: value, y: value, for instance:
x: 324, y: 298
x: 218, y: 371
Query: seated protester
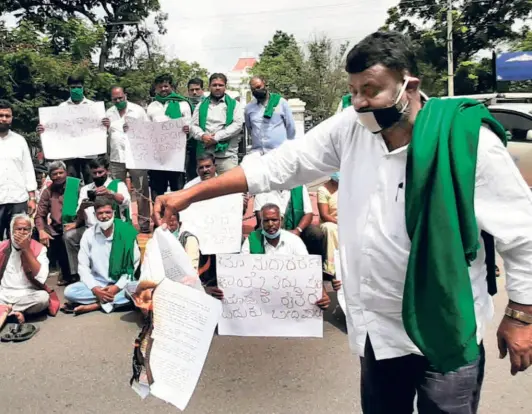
x: 296, y: 211
x: 328, y: 209
x: 188, y: 241
x: 23, y: 271
x: 108, y: 258
x: 56, y: 214
x: 86, y: 218
x: 271, y: 239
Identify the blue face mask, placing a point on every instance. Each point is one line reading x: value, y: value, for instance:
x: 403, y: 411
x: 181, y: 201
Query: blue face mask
x: 336, y: 177
x: 271, y: 236
x: 176, y: 234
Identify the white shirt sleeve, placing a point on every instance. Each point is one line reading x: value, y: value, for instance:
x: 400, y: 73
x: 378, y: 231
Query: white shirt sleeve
x: 258, y: 201
x: 29, y: 173
x: 45, y: 266
x: 503, y: 206
x: 307, y: 203
x: 122, y: 189
x: 83, y: 194
x: 245, y: 247
x: 298, y: 162
x: 186, y: 113
x: 84, y: 261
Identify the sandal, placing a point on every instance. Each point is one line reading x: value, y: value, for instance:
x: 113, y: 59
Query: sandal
x: 25, y: 332
x: 68, y: 308
x: 63, y: 283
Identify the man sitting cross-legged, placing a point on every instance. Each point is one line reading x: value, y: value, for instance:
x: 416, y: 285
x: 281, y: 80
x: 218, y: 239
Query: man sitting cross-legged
x: 108, y: 258
x: 23, y: 271
x: 271, y: 239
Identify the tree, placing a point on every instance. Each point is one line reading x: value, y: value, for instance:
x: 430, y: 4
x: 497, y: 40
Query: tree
x: 477, y: 25
x: 121, y: 20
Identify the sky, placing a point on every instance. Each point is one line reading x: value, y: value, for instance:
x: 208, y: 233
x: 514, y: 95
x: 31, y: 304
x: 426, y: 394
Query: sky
x: 216, y: 33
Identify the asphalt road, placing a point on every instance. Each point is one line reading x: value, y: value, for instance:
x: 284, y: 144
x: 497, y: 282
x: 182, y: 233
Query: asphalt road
x: 82, y: 365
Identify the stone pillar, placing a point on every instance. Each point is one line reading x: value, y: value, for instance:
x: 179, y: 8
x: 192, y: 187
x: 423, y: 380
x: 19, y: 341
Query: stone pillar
x: 298, y: 109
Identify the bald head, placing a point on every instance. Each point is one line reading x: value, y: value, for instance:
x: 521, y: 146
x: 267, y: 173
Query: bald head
x: 118, y: 96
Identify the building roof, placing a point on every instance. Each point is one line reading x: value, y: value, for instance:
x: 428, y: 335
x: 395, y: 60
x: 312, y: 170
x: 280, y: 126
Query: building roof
x: 244, y: 63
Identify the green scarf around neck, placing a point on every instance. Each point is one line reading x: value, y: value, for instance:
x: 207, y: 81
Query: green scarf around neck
x: 113, y: 186
x: 173, y: 110
x: 295, y: 209
x: 256, y: 242
x: 346, y: 101
x: 204, y: 113
x: 122, y: 257
x: 273, y: 101
x: 70, y: 200
x: 438, y: 305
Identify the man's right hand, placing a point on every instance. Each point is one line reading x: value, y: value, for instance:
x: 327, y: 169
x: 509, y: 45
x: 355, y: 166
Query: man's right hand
x: 103, y: 295
x: 40, y: 129
x: 215, y: 292
x: 171, y: 202
x: 68, y: 227
x: 44, y: 238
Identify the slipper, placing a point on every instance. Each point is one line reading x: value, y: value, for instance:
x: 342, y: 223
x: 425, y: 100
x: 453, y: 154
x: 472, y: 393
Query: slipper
x: 63, y: 283
x: 26, y: 331
x: 8, y: 333
x: 68, y: 308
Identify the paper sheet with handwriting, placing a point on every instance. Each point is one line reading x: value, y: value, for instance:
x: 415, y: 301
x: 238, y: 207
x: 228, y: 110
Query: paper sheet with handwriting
x: 217, y: 223
x: 184, y: 323
x: 267, y: 295
x: 340, y: 294
x: 72, y: 131
x: 156, y: 145
x: 166, y: 258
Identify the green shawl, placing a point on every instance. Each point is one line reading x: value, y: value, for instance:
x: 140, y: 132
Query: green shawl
x: 346, y: 101
x: 295, y: 209
x: 113, y: 186
x: 203, y: 114
x: 70, y: 200
x: 256, y: 242
x: 274, y: 100
x: 122, y: 258
x: 438, y: 305
x: 173, y: 110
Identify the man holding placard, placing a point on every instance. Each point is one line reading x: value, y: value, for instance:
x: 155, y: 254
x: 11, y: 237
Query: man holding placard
x: 116, y: 117
x: 76, y: 167
x: 17, y: 177
x: 168, y: 105
x: 216, y: 125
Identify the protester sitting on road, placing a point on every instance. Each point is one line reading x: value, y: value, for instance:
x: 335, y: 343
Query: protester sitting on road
x: 328, y: 209
x: 108, y: 258
x: 53, y: 218
x: 23, y: 271
x: 271, y: 239
x: 102, y: 185
x: 296, y: 211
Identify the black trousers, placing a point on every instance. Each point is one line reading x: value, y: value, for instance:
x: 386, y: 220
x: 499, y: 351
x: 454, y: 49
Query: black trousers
x: 161, y: 180
x: 79, y: 168
x: 190, y: 162
x: 7, y: 211
x: 390, y: 385
x: 57, y: 251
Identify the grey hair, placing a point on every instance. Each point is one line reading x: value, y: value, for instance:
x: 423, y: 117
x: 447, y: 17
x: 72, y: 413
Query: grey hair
x: 56, y: 165
x: 21, y: 216
x: 270, y: 206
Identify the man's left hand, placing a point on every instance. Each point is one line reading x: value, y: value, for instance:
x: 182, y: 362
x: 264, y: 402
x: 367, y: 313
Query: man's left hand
x: 22, y: 241
x: 296, y: 232
x: 209, y: 141
x: 106, y: 122
x: 186, y: 129
x: 516, y: 338
x: 102, y: 191
x: 324, y: 302
x: 32, y: 205
x: 112, y: 289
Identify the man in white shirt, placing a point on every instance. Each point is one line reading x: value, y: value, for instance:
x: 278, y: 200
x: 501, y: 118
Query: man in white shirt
x: 206, y: 169
x: 297, y: 214
x: 76, y: 167
x: 116, y: 117
x: 217, y: 123
x: 371, y: 145
x: 168, y: 105
x: 108, y: 259
x: 23, y: 271
x: 17, y: 176
x: 102, y: 185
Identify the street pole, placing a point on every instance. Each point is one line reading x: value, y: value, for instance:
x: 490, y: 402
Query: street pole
x: 450, y: 58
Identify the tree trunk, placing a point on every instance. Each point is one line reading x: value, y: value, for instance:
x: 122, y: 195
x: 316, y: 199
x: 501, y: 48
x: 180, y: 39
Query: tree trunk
x: 107, y: 45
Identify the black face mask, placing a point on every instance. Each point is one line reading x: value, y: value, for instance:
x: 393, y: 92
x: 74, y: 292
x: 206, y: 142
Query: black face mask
x: 100, y: 180
x: 260, y: 94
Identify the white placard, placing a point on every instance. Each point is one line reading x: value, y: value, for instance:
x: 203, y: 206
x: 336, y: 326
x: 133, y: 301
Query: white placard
x: 183, y: 325
x: 266, y: 295
x: 217, y: 223
x: 73, y: 131
x: 338, y: 269
x: 156, y: 145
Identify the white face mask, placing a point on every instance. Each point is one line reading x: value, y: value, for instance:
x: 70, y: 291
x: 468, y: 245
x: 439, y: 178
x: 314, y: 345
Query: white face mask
x: 105, y: 225
x: 379, y: 119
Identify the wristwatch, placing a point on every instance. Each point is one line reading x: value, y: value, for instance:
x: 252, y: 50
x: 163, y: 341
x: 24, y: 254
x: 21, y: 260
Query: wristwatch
x: 299, y: 229
x: 518, y: 315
